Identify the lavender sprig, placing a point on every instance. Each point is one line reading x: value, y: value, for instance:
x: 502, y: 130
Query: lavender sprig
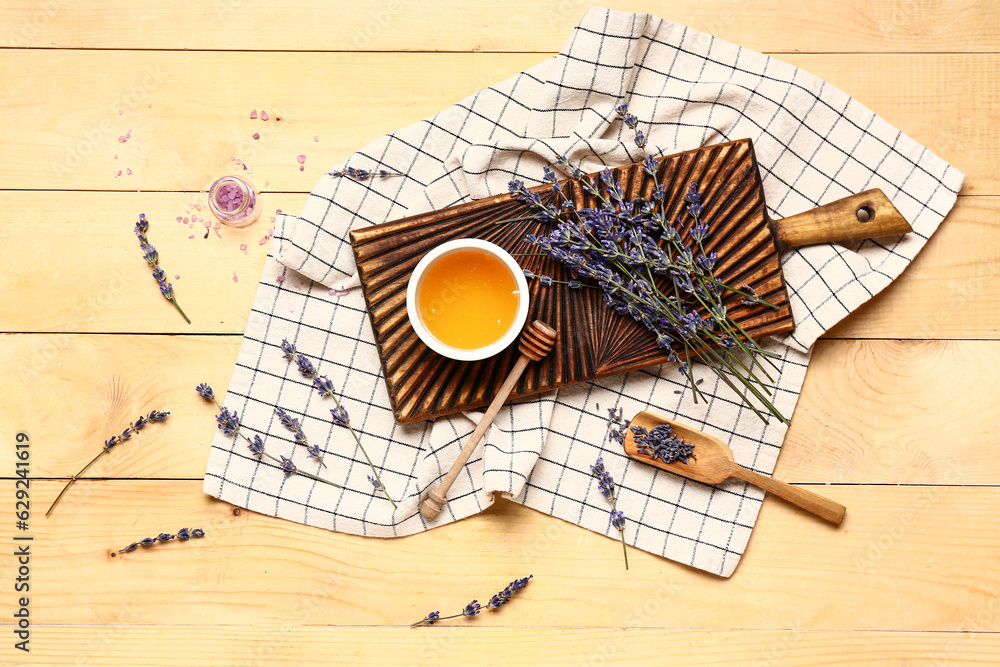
x: 183, y: 534
x: 293, y: 425
x: 606, y: 485
x: 473, y: 608
x: 153, y: 258
x: 133, y: 428
x: 363, y: 174
x: 338, y: 414
x: 229, y: 423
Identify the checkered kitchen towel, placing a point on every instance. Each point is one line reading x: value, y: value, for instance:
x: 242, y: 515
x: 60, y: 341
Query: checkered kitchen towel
x: 814, y: 144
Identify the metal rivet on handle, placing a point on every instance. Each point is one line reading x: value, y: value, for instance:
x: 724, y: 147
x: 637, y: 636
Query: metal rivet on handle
x: 866, y: 214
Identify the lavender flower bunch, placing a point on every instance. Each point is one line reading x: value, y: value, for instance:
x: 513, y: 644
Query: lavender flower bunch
x: 324, y: 386
x: 606, y: 485
x: 654, y: 269
x: 153, y: 258
x: 473, y: 608
x: 183, y: 534
x: 663, y: 444
x: 229, y: 423
x: 132, y: 429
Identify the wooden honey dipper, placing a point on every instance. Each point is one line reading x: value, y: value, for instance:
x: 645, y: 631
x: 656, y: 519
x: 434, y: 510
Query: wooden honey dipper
x: 536, y: 341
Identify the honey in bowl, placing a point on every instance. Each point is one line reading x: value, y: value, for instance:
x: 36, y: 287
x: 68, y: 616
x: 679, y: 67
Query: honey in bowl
x: 468, y: 299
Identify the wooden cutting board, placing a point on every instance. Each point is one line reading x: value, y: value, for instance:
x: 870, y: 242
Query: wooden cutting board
x: 593, y: 340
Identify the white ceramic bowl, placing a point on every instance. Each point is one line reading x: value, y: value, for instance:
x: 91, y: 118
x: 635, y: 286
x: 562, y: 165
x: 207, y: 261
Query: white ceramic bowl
x: 459, y: 245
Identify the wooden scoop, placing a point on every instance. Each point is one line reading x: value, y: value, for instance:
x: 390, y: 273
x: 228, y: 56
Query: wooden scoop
x: 713, y: 463
x: 536, y: 342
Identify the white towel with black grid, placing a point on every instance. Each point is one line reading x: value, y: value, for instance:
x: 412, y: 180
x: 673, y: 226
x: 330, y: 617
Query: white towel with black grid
x: 814, y: 144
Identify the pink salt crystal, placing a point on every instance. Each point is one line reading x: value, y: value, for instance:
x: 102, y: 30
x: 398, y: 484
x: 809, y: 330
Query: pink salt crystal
x: 279, y: 279
x: 315, y: 137
x: 339, y: 292
x: 179, y: 219
x: 176, y: 277
x: 256, y: 135
x: 122, y: 139
x: 128, y: 171
x: 116, y: 156
x: 186, y: 220
x: 263, y: 240
x: 253, y: 114
x: 263, y: 115
x: 267, y: 183
x: 243, y: 247
x: 184, y: 190
x: 119, y: 173
x: 270, y: 232
x: 119, y: 112
x: 301, y: 159
x: 302, y: 167
x: 208, y: 225
x: 291, y: 307
x: 272, y: 218
x: 191, y: 237
x: 277, y: 211
x: 150, y: 106
x: 129, y: 133
x: 235, y: 279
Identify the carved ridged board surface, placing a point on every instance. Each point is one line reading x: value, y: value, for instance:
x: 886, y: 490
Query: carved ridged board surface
x: 593, y: 340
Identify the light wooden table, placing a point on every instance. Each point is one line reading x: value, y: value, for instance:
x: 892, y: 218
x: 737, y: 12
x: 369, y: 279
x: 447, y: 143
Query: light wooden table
x: 898, y: 417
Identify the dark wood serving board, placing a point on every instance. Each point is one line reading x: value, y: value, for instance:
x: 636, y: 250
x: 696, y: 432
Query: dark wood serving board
x: 593, y: 341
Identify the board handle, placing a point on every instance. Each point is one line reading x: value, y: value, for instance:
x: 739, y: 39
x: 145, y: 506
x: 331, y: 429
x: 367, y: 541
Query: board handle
x: 867, y: 215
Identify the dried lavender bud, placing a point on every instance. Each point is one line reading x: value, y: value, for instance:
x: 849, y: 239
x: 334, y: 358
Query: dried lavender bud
x: 139, y: 423
x: 471, y: 609
x: 340, y: 416
x: 159, y: 274
x: 287, y: 420
x: 618, y: 520
x: 229, y: 421
x: 156, y: 416
x: 197, y: 532
x: 182, y: 534
x: 545, y: 280
x: 126, y: 434
x: 662, y: 443
x: 606, y: 485
x: 256, y: 446
x: 108, y: 444
x: 528, y: 273
x: 288, y: 467
x: 288, y: 349
x: 324, y: 386
x: 598, y: 467
x: 315, y: 453
x: 375, y: 483
x: 205, y: 391
x: 131, y: 547
x: 305, y: 366
x: 164, y: 537
x: 300, y: 438
x: 143, y: 224
x: 147, y: 541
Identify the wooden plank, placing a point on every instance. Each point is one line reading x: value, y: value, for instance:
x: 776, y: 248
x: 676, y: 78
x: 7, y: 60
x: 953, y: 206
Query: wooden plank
x: 950, y: 291
x: 518, y: 25
x: 77, y: 253
x: 906, y: 558
x: 870, y: 411
x: 467, y: 642
x: 195, y: 125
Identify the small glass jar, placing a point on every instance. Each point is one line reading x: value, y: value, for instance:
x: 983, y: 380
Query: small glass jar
x: 234, y: 201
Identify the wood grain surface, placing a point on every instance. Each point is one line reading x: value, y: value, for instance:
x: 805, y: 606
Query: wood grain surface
x: 896, y: 419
